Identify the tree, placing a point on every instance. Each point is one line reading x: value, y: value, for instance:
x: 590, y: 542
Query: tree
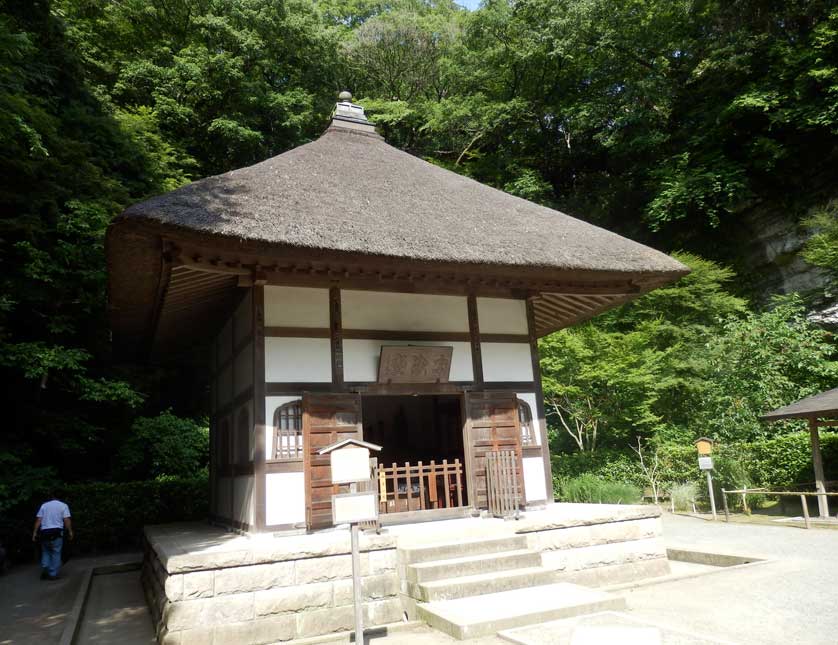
x: 759, y: 362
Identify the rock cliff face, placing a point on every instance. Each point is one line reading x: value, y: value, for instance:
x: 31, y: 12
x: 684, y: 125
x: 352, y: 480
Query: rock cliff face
x: 769, y: 245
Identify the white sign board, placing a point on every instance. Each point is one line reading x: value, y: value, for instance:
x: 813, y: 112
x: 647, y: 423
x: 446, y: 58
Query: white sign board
x: 705, y: 463
x: 350, y: 465
x: 348, y: 508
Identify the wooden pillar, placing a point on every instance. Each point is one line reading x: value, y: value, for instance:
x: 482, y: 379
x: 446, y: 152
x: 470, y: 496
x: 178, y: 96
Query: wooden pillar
x: 817, y: 462
x: 539, y: 400
x: 259, y: 430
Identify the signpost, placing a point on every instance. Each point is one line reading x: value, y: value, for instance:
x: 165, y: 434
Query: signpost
x: 705, y: 463
x: 350, y: 464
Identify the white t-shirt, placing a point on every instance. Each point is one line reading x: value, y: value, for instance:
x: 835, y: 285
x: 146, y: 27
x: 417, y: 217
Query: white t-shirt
x: 52, y: 514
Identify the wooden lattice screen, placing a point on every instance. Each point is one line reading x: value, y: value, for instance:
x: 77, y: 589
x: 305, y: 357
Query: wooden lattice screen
x: 504, y: 494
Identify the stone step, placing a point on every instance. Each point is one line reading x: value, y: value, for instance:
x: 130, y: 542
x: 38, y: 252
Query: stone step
x: 482, y: 583
x: 472, y: 565
x: 462, y: 548
x: 487, y: 614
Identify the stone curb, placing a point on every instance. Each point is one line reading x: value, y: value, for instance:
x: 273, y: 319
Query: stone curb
x: 71, y: 629
x: 699, y: 574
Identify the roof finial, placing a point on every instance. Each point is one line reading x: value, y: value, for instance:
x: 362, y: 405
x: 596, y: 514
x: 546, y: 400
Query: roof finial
x: 346, y: 109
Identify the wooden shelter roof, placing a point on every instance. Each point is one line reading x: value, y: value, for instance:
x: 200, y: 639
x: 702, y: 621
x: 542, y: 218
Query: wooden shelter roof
x: 816, y: 406
x: 349, y: 207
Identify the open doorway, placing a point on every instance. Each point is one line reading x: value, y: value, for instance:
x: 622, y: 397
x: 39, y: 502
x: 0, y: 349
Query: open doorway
x: 421, y: 463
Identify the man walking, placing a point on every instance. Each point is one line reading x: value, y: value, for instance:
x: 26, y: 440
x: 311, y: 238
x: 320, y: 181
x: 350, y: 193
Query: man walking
x: 50, y: 523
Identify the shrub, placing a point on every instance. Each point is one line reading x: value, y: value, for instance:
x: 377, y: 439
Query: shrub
x: 111, y: 516
x: 783, y: 460
x: 606, y: 464
x: 684, y: 495
x: 590, y: 489
x: 165, y: 445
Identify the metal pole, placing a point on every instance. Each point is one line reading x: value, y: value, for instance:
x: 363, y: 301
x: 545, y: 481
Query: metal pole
x: 712, y: 497
x: 724, y: 501
x: 356, y: 585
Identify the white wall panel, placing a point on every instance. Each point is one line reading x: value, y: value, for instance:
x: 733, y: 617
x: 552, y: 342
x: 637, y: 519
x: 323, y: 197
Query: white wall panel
x: 296, y: 307
x: 529, y: 397
x: 506, y: 362
x: 502, y: 316
x: 534, y: 483
x: 271, y: 404
x: 243, y: 368
x: 403, y: 311
x: 360, y: 358
x: 298, y: 360
x: 285, y: 498
x: 244, y: 318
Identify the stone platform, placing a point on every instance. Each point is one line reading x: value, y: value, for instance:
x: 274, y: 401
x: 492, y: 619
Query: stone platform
x: 207, y: 586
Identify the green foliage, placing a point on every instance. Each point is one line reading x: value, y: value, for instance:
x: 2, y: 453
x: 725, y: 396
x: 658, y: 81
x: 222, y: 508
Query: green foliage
x: 821, y: 249
x: 606, y: 464
x: 107, y: 516
x: 164, y: 446
x: 789, y: 353
x: 680, y: 363
x: 684, y: 495
x: 590, y: 489
x: 777, y: 462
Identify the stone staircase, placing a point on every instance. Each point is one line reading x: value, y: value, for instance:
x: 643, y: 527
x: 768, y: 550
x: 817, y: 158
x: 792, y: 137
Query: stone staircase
x: 475, y: 587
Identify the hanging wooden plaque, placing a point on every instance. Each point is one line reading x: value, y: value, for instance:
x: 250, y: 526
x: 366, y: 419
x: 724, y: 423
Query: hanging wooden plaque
x: 411, y: 364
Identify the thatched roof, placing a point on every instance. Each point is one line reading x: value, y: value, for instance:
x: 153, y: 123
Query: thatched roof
x: 349, y: 196
x: 350, y: 191
x: 823, y: 405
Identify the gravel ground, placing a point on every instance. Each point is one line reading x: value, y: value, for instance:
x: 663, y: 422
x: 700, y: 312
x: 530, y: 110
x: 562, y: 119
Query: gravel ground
x: 790, y: 599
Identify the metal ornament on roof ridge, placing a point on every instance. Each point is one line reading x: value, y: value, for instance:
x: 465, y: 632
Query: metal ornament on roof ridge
x: 345, y: 95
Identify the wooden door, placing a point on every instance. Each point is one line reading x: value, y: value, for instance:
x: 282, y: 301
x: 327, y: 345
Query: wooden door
x: 327, y: 419
x: 492, y: 425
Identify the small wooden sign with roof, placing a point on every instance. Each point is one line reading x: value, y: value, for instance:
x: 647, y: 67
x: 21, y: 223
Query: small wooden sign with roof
x: 350, y: 460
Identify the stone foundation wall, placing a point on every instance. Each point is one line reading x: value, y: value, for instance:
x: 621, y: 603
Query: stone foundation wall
x: 207, y: 587
x: 266, y: 603
x: 603, y: 553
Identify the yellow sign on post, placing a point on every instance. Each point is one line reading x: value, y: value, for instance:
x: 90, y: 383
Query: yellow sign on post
x: 704, y: 445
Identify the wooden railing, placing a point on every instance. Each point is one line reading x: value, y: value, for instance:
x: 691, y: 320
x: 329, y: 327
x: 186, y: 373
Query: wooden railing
x: 420, y: 487
x: 502, y: 489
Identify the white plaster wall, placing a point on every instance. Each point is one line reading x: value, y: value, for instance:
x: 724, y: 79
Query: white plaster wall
x: 360, y: 358
x: 403, y: 311
x: 243, y: 368
x: 244, y: 318
x: 502, y: 316
x: 271, y: 404
x: 243, y: 499
x: 297, y: 360
x: 534, y: 483
x: 285, y: 498
x: 506, y: 362
x: 296, y: 307
x: 529, y: 397
x: 225, y: 386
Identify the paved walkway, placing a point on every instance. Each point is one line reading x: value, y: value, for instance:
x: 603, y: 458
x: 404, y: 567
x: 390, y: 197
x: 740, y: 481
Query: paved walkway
x: 34, y: 610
